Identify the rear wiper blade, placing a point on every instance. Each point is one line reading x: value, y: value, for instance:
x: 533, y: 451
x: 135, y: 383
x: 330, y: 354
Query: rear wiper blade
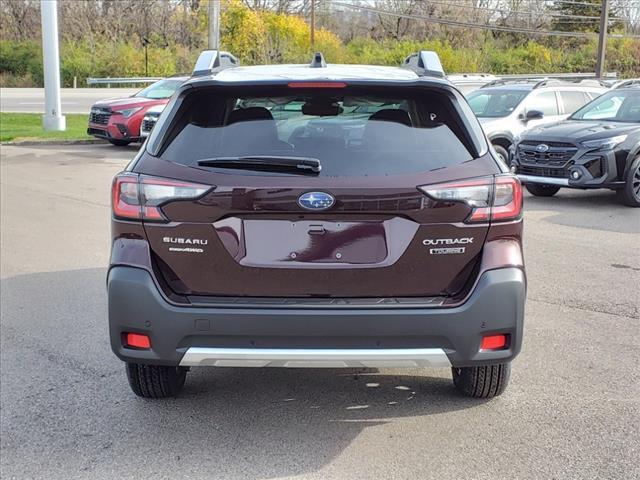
x: 270, y: 163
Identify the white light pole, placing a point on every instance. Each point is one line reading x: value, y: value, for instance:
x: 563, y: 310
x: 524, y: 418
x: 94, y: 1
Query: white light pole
x: 53, y: 118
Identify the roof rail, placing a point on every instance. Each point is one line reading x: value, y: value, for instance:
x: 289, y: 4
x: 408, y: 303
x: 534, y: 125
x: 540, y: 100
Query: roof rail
x: 594, y: 82
x: 505, y: 81
x: 424, y: 63
x: 537, y: 82
x: 211, y: 62
x: 318, y: 61
x: 547, y: 81
x: 632, y: 82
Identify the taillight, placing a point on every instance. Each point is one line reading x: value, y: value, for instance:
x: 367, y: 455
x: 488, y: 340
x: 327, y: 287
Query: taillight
x: 135, y: 197
x: 125, y: 201
x: 507, y: 199
x: 491, y: 198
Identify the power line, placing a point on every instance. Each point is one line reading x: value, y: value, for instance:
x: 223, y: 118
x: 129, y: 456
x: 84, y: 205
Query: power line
x: 586, y: 4
x: 598, y: 5
x: 512, y: 12
x: 457, y: 23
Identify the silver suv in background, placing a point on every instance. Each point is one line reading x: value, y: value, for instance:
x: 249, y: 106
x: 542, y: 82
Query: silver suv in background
x: 506, y: 108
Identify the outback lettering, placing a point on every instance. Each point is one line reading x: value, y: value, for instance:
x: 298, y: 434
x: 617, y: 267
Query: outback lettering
x: 447, y: 241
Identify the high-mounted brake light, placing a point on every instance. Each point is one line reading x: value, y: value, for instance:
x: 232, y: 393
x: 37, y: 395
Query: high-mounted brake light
x: 135, y: 197
x: 495, y: 199
x: 317, y: 85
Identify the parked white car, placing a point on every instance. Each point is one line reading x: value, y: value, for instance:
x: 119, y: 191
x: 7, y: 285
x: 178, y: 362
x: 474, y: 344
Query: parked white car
x: 506, y: 109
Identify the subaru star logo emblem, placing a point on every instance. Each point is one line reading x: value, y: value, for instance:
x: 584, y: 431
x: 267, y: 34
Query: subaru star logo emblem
x: 542, y: 148
x: 316, y: 201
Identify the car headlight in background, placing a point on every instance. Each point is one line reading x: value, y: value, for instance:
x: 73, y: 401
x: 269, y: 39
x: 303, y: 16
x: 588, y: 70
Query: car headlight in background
x: 605, y: 143
x: 126, y: 113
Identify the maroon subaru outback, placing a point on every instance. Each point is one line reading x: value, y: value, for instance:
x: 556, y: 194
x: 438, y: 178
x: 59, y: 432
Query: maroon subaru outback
x: 316, y: 216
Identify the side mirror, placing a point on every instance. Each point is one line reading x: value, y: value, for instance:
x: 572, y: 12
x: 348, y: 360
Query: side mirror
x: 533, y: 115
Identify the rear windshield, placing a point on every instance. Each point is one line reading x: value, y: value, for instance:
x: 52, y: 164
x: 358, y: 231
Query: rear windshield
x: 350, y: 134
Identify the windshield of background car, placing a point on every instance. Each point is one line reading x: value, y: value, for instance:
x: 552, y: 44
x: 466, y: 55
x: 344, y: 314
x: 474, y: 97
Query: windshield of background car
x: 495, y: 103
x: 616, y: 106
x: 351, y: 134
x: 160, y: 90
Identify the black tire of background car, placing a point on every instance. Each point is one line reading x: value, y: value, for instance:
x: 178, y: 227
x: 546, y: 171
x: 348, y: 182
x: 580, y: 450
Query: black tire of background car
x: 542, y: 190
x: 502, y: 152
x: 485, y: 381
x: 119, y: 143
x: 155, y: 381
x: 630, y: 193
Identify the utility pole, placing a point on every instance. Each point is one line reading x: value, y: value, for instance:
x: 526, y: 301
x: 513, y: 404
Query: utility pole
x: 214, y: 24
x: 313, y: 23
x: 602, y: 39
x: 53, y: 118
x: 145, y: 43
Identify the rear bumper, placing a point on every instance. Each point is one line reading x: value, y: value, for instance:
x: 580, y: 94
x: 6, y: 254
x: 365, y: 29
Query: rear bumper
x: 296, y: 337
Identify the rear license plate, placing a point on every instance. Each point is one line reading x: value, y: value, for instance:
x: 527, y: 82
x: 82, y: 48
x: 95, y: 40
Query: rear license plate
x: 271, y: 242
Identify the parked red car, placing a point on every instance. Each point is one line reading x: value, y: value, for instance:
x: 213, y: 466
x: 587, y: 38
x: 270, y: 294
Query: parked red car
x: 118, y: 119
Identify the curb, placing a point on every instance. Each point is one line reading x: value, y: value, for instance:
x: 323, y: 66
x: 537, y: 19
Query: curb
x: 35, y: 143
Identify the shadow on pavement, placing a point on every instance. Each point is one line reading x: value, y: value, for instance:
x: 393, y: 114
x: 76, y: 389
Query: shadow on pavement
x: 67, y: 407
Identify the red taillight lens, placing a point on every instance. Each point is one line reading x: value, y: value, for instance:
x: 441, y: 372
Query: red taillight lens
x: 507, y: 199
x: 494, y: 342
x: 137, y: 340
x: 140, y: 196
x: 125, y: 200
x: 496, y: 199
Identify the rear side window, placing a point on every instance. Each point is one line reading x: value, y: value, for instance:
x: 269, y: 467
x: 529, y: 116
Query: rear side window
x: 573, y: 100
x: 351, y: 134
x: 546, y: 103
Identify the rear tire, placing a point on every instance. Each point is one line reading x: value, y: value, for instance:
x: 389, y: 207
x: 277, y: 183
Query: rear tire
x: 539, y: 190
x: 486, y: 381
x: 630, y: 193
x: 119, y: 143
x: 155, y: 381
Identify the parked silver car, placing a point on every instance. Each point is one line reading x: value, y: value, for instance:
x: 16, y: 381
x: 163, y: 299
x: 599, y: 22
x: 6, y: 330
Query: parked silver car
x: 507, y: 108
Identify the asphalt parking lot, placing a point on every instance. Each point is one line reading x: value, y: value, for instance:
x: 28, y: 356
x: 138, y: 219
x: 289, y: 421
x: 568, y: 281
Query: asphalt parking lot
x: 572, y: 410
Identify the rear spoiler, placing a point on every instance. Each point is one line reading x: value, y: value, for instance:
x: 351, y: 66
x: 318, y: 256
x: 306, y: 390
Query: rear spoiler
x: 211, y: 62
